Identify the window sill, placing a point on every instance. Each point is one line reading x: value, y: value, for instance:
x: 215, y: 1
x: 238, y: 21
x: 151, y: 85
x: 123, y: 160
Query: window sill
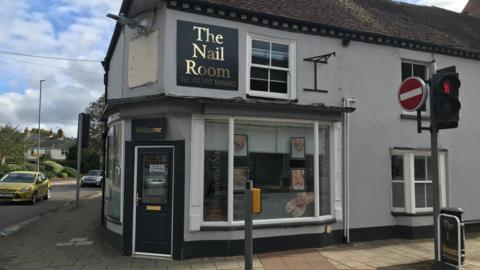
x: 404, y: 214
x: 260, y: 95
x: 414, y: 117
x: 268, y: 226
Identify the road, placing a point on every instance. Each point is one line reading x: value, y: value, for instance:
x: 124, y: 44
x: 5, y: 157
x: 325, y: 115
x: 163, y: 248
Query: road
x: 13, y: 213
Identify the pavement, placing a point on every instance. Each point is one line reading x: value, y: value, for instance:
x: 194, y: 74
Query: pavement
x: 72, y: 238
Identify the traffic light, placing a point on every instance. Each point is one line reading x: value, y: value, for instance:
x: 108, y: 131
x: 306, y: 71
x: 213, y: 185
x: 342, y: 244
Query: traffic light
x: 446, y: 106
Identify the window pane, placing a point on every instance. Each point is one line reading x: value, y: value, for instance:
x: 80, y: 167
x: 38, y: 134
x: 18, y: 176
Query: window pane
x: 260, y: 52
x: 278, y: 75
x: 420, y: 195
x: 113, y: 183
x: 278, y: 87
x: 406, y: 70
x: 258, y: 85
x: 155, y: 182
x: 429, y: 168
x: 259, y: 73
x: 419, y: 71
x: 429, y: 195
x: 324, y: 152
x: 398, y: 196
x: 266, y: 154
x: 279, y: 55
x: 216, y: 171
x: 420, y: 173
x: 397, y: 167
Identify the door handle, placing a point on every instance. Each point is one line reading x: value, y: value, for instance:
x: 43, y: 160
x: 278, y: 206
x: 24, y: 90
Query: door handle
x: 139, y: 199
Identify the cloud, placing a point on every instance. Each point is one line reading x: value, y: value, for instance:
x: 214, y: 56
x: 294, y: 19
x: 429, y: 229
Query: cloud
x: 62, y: 28
x: 453, y: 5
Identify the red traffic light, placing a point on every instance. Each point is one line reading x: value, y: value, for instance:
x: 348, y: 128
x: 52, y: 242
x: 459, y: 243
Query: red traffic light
x: 446, y: 86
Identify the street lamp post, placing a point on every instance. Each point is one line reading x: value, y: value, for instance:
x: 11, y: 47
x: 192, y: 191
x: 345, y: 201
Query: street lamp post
x: 39, y: 111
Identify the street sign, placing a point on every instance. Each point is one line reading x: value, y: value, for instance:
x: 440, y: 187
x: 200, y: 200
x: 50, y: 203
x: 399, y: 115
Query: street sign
x: 412, y: 94
x: 451, y: 233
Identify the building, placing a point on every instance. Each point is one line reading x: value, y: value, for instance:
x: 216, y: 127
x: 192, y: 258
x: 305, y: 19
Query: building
x: 472, y: 8
x: 301, y: 97
x: 53, y: 146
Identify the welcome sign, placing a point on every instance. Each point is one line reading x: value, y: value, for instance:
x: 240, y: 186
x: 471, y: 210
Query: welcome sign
x: 207, y: 56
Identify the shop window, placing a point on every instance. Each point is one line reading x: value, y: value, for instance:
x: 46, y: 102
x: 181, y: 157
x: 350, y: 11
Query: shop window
x: 114, y: 172
x: 271, y: 68
x: 412, y: 188
x: 278, y: 157
x: 215, y: 189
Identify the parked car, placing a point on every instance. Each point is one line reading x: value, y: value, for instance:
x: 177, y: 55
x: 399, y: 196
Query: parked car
x: 23, y: 186
x: 93, y: 178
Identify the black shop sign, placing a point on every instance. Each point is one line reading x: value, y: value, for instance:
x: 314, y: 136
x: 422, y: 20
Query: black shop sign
x: 207, y: 56
x: 149, y: 129
x: 452, y: 237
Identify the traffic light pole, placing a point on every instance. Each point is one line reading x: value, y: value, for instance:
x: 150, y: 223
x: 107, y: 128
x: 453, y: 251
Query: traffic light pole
x: 435, y: 180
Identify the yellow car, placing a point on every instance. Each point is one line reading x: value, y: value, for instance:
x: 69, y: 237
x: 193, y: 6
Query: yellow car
x: 23, y: 186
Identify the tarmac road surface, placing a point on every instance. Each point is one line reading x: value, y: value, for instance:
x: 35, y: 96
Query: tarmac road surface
x: 62, y: 193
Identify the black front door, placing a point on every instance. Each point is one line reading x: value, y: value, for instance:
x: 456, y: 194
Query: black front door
x: 153, y: 228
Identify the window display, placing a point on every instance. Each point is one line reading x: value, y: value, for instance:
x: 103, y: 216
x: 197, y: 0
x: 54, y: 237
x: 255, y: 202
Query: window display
x: 114, y: 172
x: 278, y: 157
x: 216, y: 171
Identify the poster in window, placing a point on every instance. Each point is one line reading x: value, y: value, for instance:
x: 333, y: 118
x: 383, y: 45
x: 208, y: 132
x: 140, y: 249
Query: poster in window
x: 240, y: 177
x: 240, y: 142
x: 297, y: 178
x: 298, y: 148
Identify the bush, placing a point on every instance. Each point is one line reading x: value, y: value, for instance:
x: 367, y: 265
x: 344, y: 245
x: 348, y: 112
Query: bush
x: 71, y: 172
x: 52, y: 166
x: 32, y: 167
x: 50, y: 174
x: 12, y: 167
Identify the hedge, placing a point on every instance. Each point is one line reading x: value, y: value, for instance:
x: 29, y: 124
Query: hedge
x: 70, y: 172
x: 52, y: 166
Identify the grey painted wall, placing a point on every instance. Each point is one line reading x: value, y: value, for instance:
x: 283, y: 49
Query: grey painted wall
x: 371, y: 74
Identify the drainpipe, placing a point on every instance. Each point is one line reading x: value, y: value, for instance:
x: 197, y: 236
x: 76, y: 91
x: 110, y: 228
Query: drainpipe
x: 347, y: 104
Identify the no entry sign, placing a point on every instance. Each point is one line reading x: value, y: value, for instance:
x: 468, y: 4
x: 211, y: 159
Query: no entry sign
x: 412, y: 94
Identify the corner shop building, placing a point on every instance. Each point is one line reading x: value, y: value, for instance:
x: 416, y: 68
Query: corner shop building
x: 294, y: 97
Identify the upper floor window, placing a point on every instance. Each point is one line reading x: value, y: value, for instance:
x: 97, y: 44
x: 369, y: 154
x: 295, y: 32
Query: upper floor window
x: 415, y: 70
x: 271, y: 68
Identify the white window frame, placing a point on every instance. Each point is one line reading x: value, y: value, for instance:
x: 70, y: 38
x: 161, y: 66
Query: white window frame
x: 197, y: 172
x: 403, y: 181
x: 427, y: 75
x: 409, y: 180
x: 291, y: 77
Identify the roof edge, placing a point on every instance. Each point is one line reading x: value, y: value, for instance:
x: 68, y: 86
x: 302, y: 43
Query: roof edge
x: 307, y: 27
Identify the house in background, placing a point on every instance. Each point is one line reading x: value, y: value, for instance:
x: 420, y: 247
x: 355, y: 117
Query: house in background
x: 54, y: 146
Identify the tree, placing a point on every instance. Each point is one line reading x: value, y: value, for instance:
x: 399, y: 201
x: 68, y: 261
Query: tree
x: 91, y: 155
x: 12, y: 144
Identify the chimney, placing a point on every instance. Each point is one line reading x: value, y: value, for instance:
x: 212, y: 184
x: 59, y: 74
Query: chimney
x: 60, y: 134
x: 472, y: 8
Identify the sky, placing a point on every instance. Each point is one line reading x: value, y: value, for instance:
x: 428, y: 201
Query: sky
x: 75, y: 29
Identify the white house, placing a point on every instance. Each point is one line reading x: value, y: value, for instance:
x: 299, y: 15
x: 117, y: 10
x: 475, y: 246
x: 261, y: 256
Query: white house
x: 299, y: 96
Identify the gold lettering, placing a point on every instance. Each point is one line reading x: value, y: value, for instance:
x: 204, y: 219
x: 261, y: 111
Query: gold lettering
x: 223, y: 73
x: 199, y: 32
x: 196, y: 49
x: 190, y: 67
x: 219, y: 39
